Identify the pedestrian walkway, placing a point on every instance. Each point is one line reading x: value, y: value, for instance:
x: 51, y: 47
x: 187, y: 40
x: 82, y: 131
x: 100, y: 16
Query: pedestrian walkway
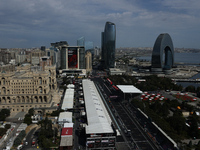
x: 194, y: 141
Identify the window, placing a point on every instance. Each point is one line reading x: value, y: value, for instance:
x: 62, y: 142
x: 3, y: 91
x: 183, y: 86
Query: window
x: 40, y: 89
x: 40, y: 80
x: 4, y: 90
x: 3, y: 81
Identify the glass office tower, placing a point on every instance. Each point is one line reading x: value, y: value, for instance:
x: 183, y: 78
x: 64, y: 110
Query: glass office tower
x: 89, y: 46
x: 108, y: 45
x: 81, y: 41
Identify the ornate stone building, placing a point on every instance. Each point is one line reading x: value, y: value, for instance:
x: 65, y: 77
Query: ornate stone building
x: 7, y: 68
x: 27, y: 88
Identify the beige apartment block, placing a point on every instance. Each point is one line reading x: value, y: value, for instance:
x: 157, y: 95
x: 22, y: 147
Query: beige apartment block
x: 88, y: 61
x: 27, y: 88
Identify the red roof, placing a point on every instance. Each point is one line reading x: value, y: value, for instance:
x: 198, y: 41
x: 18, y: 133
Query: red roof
x: 67, y: 131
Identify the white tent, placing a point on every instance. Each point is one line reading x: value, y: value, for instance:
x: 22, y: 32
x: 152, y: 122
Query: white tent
x: 128, y: 89
x: 98, y: 118
x: 65, y: 117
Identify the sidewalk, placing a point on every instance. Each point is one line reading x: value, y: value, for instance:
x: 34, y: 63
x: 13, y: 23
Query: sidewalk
x: 186, y: 141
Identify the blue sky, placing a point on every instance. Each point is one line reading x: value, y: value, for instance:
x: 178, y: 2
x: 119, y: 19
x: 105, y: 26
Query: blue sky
x: 34, y: 23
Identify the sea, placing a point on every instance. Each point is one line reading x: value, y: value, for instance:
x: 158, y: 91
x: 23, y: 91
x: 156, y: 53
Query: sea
x: 187, y: 59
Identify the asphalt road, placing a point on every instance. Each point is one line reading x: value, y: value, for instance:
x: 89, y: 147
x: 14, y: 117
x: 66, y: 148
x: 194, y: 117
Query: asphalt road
x: 79, y: 139
x: 29, y: 139
x: 126, y: 120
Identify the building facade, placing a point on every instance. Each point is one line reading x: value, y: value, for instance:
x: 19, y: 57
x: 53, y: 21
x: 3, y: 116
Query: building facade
x: 162, y: 44
x: 20, y: 58
x: 7, y: 68
x: 108, y: 45
x: 45, y: 61
x: 5, y: 57
x: 72, y: 57
x: 35, y: 56
x: 27, y: 88
x: 82, y: 58
x: 88, y: 61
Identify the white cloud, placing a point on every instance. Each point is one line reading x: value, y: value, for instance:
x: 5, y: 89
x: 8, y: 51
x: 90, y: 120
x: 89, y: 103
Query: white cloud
x: 192, y: 5
x: 71, y: 19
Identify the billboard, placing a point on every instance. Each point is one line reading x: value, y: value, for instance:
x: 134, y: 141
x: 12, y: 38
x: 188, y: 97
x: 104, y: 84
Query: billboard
x: 72, y: 57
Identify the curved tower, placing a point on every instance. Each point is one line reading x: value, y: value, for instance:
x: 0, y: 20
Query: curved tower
x: 108, y: 45
x: 162, y: 45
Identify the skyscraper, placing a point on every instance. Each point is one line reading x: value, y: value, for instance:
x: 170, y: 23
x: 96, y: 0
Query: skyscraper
x: 81, y: 41
x: 163, y: 44
x: 89, y: 46
x: 108, y: 45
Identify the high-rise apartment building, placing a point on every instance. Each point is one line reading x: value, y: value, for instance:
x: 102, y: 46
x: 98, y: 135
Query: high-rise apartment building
x: 5, y: 57
x: 57, y: 52
x: 35, y: 56
x: 96, y: 51
x: 108, y: 45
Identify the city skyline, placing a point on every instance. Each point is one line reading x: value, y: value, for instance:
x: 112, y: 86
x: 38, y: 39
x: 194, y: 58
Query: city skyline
x: 25, y: 24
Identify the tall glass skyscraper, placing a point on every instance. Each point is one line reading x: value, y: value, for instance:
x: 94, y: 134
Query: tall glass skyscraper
x: 89, y: 46
x: 81, y: 41
x: 108, y: 45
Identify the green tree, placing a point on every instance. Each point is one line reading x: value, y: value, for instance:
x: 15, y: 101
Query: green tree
x: 19, y: 138
x: 46, y: 127
x: 178, y: 124
x: 156, y: 106
x: 17, y: 141
x: 164, y: 110
x: 4, y: 113
x: 197, y: 148
x: 31, y: 111
x: 2, y: 131
x: 194, y: 126
x: 57, y: 112
x: 190, y: 88
x: 46, y: 133
x: 7, y: 126
x: 27, y: 119
x: 46, y: 143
